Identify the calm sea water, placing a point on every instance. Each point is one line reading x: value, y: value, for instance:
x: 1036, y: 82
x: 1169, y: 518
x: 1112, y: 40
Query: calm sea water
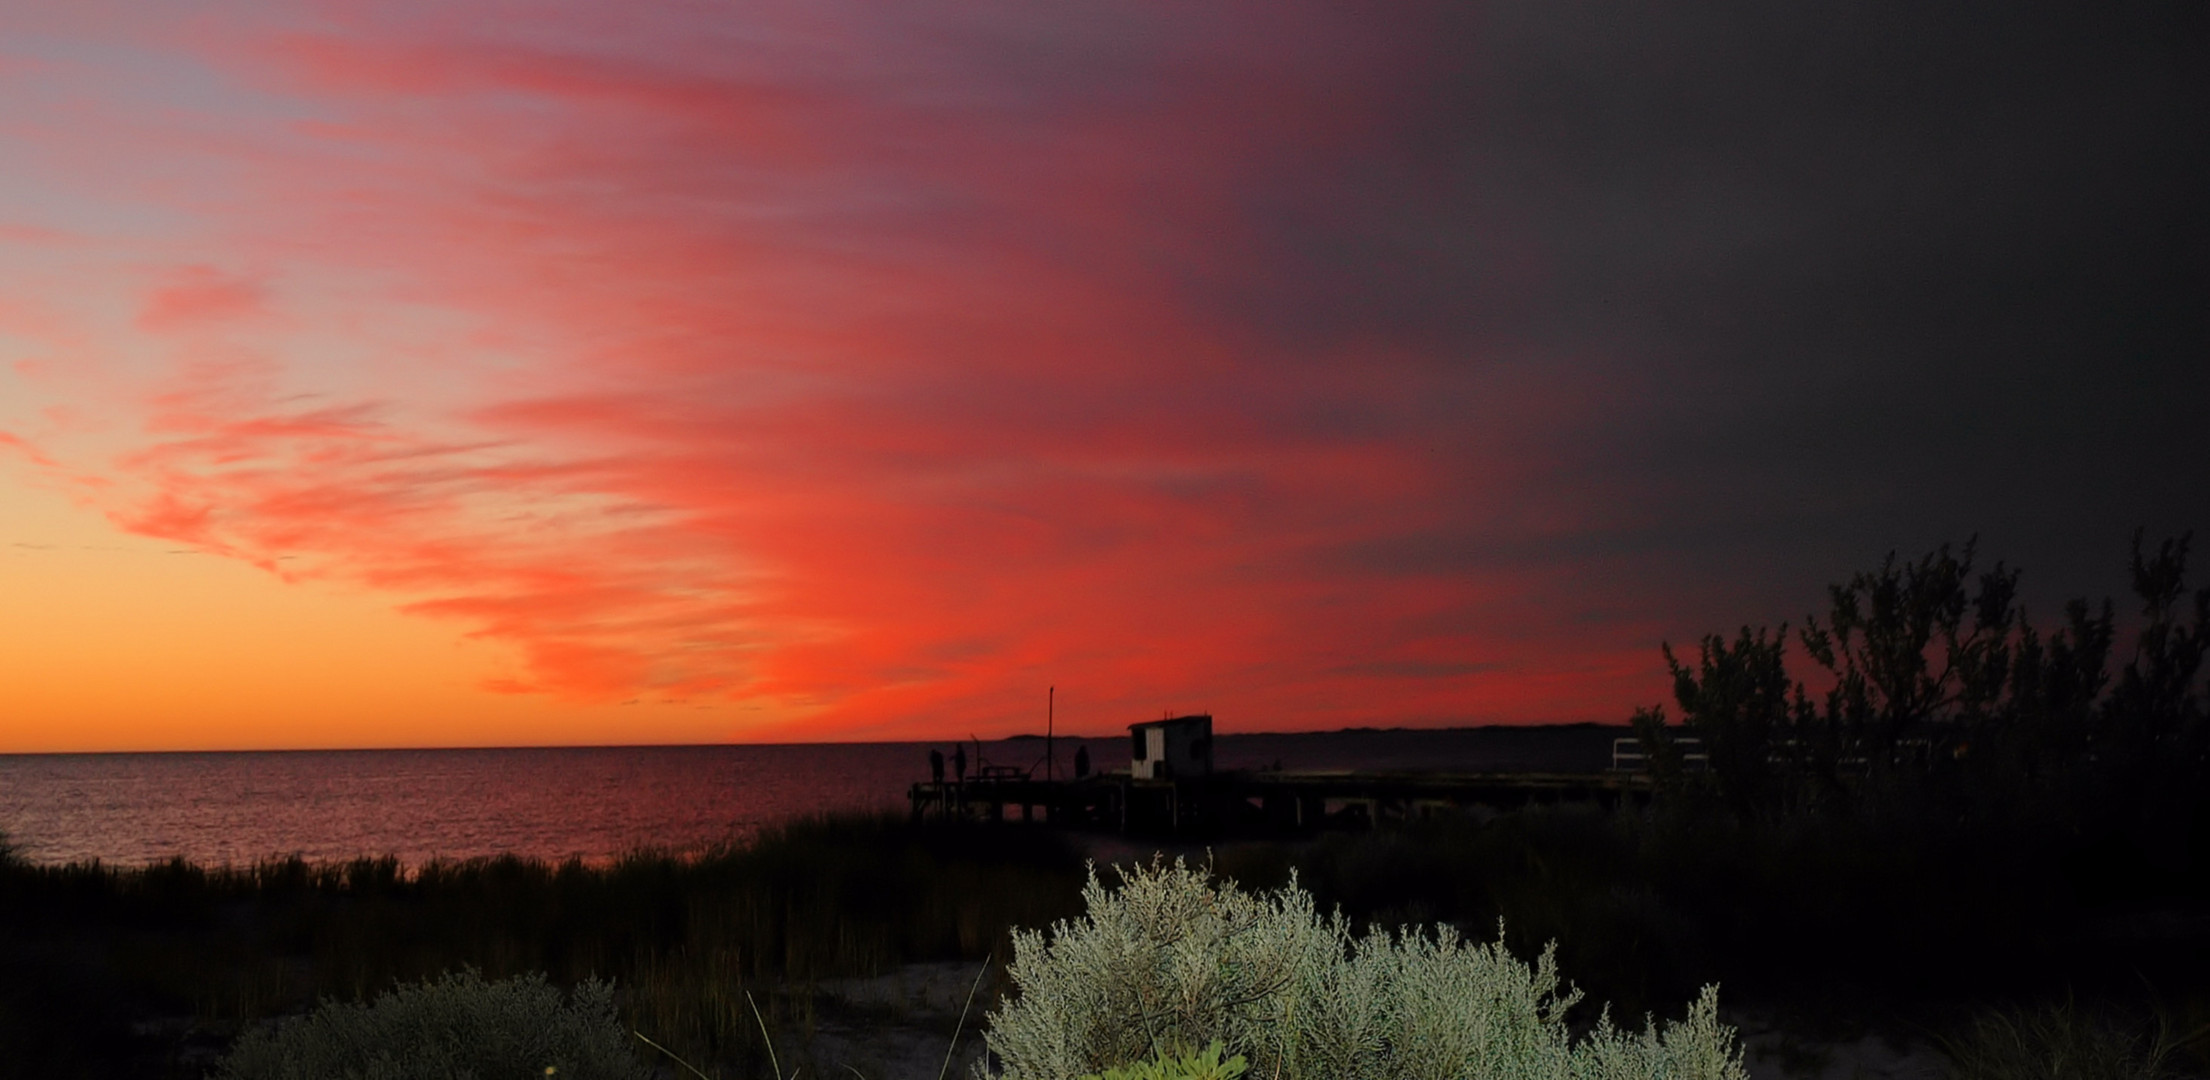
x: 595, y: 803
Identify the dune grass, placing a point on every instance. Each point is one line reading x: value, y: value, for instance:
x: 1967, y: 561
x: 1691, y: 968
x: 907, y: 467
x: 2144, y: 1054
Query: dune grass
x: 683, y: 937
x: 2067, y: 1041
x: 150, y: 971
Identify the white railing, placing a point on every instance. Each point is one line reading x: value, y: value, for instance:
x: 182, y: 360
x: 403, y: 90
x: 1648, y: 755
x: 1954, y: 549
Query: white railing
x: 1627, y: 755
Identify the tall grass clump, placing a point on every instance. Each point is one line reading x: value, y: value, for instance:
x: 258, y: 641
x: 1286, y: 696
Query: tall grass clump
x: 1170, y: 961
x: 2064, y: 1042
x: 93, y: 952
x: 447, y: 1028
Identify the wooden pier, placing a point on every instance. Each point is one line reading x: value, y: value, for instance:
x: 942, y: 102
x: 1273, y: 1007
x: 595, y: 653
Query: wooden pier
x: 1260, y: 802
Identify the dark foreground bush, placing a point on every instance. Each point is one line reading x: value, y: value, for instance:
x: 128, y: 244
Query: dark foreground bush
x: 451, y: 1028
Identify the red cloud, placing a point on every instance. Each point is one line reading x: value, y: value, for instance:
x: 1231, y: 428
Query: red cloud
x: 18, y: 233
x: 591, y: 591
x: 199, y: 296
x: 29, y: 451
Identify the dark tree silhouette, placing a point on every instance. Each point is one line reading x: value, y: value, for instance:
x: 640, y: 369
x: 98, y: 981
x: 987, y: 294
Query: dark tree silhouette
x: 1943, y: 699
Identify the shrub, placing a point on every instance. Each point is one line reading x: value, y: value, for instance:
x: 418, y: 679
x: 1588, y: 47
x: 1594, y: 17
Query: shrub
x: 1169, y: 961
x: 1205, y: 1066
x: 451, y: 1028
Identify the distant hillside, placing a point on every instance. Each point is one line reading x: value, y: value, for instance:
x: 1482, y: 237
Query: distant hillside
x: 1498, y: 748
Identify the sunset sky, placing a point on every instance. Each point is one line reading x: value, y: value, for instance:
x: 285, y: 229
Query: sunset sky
x: 463, y: 373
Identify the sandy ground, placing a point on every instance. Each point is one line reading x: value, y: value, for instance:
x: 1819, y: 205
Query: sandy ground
x: 896, y: 1026
x: 1774, y: 1054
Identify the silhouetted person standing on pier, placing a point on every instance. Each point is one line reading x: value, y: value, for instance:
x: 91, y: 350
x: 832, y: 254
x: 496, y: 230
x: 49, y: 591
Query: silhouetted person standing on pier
x: 1081, y: 762
x: 959, y: 762
x: 936, y: 765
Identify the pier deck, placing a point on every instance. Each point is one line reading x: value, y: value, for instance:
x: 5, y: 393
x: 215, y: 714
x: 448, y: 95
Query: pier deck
x: 1263, y: 801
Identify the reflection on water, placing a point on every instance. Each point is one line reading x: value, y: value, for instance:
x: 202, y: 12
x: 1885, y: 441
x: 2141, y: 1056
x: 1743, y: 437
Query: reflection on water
x: 597, y: 802
x: 594, y: 803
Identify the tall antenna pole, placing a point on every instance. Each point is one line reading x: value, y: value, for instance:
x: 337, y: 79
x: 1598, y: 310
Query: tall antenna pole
x: 1051, y: 761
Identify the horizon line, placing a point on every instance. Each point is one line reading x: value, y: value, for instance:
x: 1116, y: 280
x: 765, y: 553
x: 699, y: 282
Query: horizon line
x: 1021, y: 736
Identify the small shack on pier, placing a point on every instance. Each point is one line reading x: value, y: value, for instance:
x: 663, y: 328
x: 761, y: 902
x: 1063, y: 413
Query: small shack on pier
x: 1175, y: 748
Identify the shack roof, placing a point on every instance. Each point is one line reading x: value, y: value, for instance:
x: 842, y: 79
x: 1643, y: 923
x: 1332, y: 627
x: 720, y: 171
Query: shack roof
x: 1171, y: 721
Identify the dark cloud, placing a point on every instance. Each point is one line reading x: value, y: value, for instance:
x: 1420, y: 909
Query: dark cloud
x: 1854, y: 275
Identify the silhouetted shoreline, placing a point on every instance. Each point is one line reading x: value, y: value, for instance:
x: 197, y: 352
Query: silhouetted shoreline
x: 150, y: 971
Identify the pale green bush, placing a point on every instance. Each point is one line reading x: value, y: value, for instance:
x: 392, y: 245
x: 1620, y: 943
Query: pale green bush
x: 458, y: 1027
x: 1169, y: 961
x: 1205, y: 1066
